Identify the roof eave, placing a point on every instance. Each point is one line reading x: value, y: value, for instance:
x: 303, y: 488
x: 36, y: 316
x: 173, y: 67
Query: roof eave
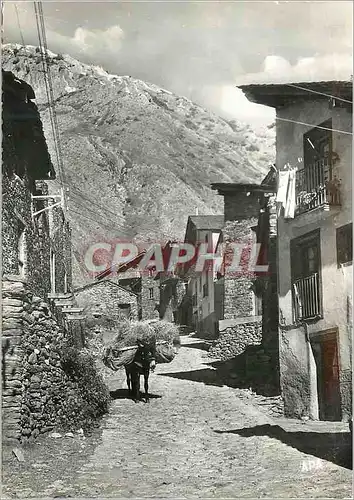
x: 226, y: 188
x: 276, y: 95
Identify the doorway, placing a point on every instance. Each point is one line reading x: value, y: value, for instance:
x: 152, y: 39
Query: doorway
x: 124, y: 311
x: 325, y: 349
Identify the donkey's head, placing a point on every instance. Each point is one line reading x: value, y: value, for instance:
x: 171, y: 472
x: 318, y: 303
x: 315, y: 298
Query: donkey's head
x: 147, y: 353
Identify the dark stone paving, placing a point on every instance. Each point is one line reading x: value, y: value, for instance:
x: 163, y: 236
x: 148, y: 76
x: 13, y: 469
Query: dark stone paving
x: 193, y: 440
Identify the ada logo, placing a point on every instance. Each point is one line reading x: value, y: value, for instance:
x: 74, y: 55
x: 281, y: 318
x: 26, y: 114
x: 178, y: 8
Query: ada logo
x: 311, y: 464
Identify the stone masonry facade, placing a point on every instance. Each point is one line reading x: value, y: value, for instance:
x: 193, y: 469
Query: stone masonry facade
x: 150, y: 297
x: 252, y: 341
x: 236, y: 336
x: 29, y: 239
x: 109, y: 299
x: 37, y: 393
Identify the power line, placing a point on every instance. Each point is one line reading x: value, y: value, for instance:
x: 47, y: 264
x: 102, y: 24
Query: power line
x: 101, y: 207
x: 319, y: 93
x: 19, y: 25
x: 314, y: 126
x: 93, y: 215
x: 86, y: 198
x: 41, y: 31
x: 98, y: 222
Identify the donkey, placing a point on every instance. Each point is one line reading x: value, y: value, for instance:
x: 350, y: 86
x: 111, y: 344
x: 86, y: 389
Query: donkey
x: 143, y: 363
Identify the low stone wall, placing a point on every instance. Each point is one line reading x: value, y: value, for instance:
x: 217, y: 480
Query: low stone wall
x: 235, y: 335
x: 274, y: 406
x: 206, y: 328
x: 38, y: 394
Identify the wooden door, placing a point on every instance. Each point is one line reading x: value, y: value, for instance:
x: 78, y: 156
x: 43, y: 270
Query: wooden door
x: 326, y: 356
x: 331, y: 392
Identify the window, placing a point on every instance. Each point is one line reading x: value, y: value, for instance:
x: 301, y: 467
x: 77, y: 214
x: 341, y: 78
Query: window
x: 65, y: 282
x: 305, y: 276
x: 124, y: 310
x: 311, y: 181
x: 344, y: 239
x: 52, y: 271
x: 206, y: 289
x: 257, y: 305
x: 151, y: 293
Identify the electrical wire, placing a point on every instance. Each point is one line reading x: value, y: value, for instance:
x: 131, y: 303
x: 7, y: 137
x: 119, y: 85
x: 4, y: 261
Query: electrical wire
x: 41, y: 32
x: 19, y: 25
x: 319, y: 93
x: 76, y: 193
x: 314, y: 126
x: 77, y: 200
x: 105, y: 225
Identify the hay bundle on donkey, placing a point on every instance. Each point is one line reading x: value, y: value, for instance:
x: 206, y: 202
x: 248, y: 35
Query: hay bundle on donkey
x: 122, y: 350
x: 167, y: 340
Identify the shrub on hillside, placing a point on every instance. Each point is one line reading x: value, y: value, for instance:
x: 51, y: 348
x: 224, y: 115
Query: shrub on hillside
x: 93, y: 395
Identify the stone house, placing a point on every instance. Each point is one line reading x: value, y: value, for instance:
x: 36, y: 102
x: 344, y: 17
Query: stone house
x: 32, y: 333
x: 107, y: 299
x: 36, y: 242
x: 145, y: 285
x: 248, y: 325
x: 314, y: 244
x: 201, y: 310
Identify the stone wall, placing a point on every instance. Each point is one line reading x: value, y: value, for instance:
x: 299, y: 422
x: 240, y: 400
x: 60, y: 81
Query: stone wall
x: 150, y: 306
x: 238, y: 295
x: 38, y: 394
x: 234, y: 337
x: 17, y: 218
x: 207, y: 327
x: 240, y: 205
x: 295, y: 374
x: 104, y: 298
x: 264, y: 362
x: 27, y: 171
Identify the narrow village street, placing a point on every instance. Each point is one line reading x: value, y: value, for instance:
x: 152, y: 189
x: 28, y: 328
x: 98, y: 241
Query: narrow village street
x: 196, y: 439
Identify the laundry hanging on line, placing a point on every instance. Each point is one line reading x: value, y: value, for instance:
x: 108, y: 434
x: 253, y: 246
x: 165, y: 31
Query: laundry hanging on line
x: 286, y: 194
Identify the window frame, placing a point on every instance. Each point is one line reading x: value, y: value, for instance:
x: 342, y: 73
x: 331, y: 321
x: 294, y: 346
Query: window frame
x: 342, y: 230
x: 295, y: 245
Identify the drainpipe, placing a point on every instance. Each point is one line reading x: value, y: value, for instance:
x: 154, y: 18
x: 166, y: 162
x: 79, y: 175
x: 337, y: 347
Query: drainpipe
x: 313, y: 413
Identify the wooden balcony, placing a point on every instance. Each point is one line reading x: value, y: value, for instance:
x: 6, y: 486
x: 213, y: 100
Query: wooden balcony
x: 307, y: 298
x: 316, y: 188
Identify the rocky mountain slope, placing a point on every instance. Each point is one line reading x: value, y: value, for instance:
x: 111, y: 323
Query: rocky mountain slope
x: 137, y: 159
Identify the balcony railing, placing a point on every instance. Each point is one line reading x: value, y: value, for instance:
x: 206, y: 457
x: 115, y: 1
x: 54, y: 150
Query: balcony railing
x: 307, y: 298
x: 315, y: 187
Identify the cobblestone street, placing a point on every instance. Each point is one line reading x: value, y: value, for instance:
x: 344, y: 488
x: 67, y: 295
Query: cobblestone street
x: 196, y: 438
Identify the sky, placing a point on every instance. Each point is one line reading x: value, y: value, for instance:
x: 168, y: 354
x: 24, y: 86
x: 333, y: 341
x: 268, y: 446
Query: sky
x: 201, y: 50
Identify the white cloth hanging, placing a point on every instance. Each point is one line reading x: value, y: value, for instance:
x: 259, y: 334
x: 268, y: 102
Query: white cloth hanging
x: 289, y: 212
x: 282, y: 187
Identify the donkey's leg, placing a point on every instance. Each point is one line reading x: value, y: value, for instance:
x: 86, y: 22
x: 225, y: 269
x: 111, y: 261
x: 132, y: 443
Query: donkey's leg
x: 146, y: 386
x: 135, y: 386
x: 128, y: 379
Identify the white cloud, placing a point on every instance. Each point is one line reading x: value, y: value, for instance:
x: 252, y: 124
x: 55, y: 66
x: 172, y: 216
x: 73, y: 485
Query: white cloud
x: 234, y: 103
x: 277, y: 69
x: 98, y: 41
x: 230, y: 102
